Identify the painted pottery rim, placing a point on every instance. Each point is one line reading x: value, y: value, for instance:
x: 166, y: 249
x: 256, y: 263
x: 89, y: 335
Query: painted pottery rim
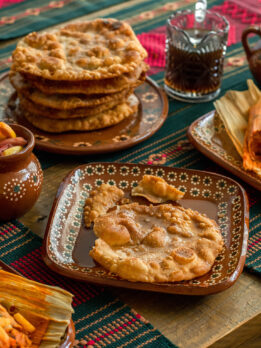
x: 111, y: 147
x: 156, y: 287
x: 70, y: 336
x: 28, y: 148
x: 241, y: 174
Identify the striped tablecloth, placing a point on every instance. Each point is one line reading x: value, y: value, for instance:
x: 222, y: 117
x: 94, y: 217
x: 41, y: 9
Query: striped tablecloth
x: 101, y: 319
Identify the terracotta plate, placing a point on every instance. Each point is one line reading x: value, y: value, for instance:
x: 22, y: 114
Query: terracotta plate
x: 153, y: 110
x: 209, y: 136
x: 68, y: 340
x: 67, y: 241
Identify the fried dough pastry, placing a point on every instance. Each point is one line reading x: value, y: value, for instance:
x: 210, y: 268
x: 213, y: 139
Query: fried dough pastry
x: 156, y: 190
x: 97, y: 49
x: 98, y: 121
x: 112, y: 85
x: 63, y: 101
x: 100, y: 201
x: 160, y: 243
x: 52, y: 113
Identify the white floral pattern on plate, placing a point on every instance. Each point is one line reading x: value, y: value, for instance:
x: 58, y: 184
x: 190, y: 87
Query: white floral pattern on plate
x: 209, y: 136
x: 224, y: 196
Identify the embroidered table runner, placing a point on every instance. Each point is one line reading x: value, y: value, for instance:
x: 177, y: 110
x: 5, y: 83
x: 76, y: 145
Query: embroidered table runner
x: 169, y: 146
x: 23, y: 17
x: 98, y: 316
x: 100, y: 319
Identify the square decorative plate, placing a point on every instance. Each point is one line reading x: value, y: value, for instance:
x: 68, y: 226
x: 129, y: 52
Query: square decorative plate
x: 209, y: 136
x: 68, y: 242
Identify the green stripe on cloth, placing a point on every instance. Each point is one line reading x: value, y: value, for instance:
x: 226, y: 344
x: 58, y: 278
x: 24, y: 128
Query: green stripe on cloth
x: 22, y: 18
x: 39, y: 14
x: 99, y: 316
x: 171, y: 139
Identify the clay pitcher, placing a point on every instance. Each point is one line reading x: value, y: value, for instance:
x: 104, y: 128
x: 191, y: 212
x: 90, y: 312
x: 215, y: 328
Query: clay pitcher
x: 253, y: 55
x: 21, y: 178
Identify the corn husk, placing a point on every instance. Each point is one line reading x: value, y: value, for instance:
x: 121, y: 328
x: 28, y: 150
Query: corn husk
x: 233, y: 109
x: 46, y: 307
x: 252, y: 142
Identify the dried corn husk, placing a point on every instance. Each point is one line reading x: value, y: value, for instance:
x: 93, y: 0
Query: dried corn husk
x: 252, y: 143
x: 233, y: 109
x: 46, y: 307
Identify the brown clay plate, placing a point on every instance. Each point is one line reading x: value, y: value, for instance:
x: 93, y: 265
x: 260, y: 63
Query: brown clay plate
x: 209, y: 136
x: 68, y: 339
x: 67, y: 241
x: 152, y: 112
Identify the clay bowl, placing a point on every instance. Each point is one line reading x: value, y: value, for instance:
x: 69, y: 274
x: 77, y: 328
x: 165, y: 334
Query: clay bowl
x: 67, y: 341
x: 21, y: 178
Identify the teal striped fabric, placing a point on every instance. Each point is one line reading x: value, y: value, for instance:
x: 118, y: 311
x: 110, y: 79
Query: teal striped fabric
x: 181, y: 115
x: 33, y: 15
x: 99, y: 317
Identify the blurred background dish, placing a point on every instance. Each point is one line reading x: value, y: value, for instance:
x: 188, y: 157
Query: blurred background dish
x: 209, y: 136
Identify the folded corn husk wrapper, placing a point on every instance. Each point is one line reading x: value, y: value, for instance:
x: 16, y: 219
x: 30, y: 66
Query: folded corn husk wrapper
x: 46, y: 307
x: 234, y: 109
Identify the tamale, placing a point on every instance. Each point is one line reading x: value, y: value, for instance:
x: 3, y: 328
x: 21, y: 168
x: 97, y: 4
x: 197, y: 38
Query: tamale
x: 47, y: 308
x: 233, y: 120
x: 252, y: 141
x: 233, y: 109
x: 240, y: 113
x: 254, y: 92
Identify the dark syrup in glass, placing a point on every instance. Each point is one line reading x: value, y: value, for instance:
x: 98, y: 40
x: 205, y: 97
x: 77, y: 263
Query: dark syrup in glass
x: 194, y: 70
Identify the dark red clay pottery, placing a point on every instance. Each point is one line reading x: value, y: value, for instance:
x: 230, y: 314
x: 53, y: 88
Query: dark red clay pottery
x: 21, y: 178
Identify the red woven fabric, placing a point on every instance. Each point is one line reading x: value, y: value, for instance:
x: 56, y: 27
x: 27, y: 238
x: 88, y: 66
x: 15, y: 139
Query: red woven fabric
x: 239, y: 14
x: 4, y: 3
x: 154, y: 43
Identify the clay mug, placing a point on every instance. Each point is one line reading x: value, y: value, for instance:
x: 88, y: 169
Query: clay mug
x: 21, y: 178
x: 253, y: 56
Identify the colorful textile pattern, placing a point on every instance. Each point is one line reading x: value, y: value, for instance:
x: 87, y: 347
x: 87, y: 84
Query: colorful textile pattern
x: 169, y: 146
x: 100, y: 319
x: 5, y: 3
x: 24, y: 17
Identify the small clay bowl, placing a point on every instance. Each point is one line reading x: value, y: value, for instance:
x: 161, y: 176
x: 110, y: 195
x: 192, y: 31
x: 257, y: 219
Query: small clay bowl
x: 21, y: 178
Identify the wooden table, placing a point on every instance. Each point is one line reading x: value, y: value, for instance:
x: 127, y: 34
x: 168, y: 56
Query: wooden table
x: 228, y: 319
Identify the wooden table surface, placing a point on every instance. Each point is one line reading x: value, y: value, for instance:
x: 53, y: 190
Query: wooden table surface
x: 229, y: 319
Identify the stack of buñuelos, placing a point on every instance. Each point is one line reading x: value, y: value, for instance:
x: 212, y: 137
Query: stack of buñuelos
x: 80, y: 77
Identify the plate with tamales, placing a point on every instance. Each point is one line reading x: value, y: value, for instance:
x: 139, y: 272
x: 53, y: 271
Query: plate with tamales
x: 33, y: 314
x: 231, y: 134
